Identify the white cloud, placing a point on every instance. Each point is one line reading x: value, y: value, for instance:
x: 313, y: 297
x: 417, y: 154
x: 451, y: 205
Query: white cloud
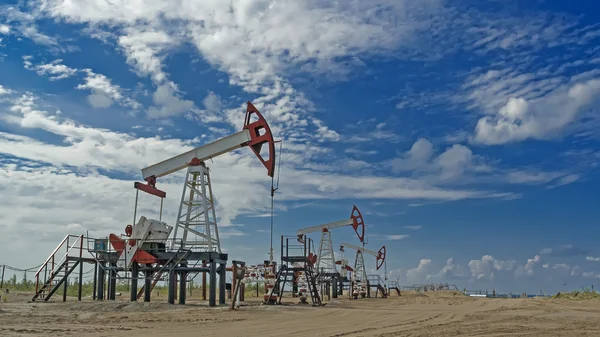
x: 529, y: 268
x: 413, y: 227
x: 143, y: 47
x: 542, y: 118
x: 167, y: 102
x: 449, y: 271
x: 418, y: 274
x: 396, y: 237
x: 104, y: 93
x: 562, y: 266
x: 591, y: 258
x: 5, y: 91
x: 487, y: 265
x: 4, y: 29
x: 455, y: 163
x: 54, y: 70
x: 591, y: 274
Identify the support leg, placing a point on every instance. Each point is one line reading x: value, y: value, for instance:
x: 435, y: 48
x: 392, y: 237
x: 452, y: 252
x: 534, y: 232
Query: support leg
x: 113, y: 284
x: 222, y: 282
x: 148, y: 286
x: 203, y: 283
x: 80, y: 281
x: 172, y: 284
x: 66, y: 281
x: 212, y: 291
x: 135, y: 269
x: 94, y: 291
x: 101, y: 278
x: 334, y: 284
x: 182, y: 288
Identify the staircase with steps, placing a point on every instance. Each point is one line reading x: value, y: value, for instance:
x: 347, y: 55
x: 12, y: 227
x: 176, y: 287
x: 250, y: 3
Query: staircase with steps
x: 393, y: 285
x: 54, y: 272
x: 297, y: 258
x: 375, y: 281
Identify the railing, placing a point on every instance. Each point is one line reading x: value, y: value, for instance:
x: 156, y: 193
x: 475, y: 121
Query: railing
x: 292, y: 247
x: 50, y: 261
x: 375, y: 280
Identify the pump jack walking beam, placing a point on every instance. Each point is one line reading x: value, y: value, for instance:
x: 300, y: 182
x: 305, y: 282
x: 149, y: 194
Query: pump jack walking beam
x: 254, y: 134
x: 380, y: 255
x: 356, y: 221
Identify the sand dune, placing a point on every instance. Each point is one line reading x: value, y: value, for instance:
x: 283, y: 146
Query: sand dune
x: 413, y: 314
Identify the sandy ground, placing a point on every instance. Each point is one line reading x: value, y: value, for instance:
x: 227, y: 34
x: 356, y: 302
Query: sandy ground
x: 429, y: 314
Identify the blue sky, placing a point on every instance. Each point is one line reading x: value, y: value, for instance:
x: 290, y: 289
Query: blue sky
x: 465, y: 131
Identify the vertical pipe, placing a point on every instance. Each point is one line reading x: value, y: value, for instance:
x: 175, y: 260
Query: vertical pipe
x: 66, y: 269
x: 334, y: 285
x: 79, y: 291
x: 148, y: 286
x: 100, y: 284
x: 161, y: 207
x: 175, y: 286
x: 66, y: 282
x: 94, y: 291
x: 182, y: 279
x: 222, y: 281
x: 135, y: 269
x: 233, y: 281
x: 172, y: 280
x: 203, y: 282
x: 113, y: 282
x: 212, y: 291
x: 137, y: 193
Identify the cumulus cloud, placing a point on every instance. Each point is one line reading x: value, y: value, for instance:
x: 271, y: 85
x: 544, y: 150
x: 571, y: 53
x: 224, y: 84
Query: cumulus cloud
x: 4, y: 91
x: 529, y: 268
x: 53, y: 70
x: 168, y: 103
x: 418, y: 274
x: 543, y: 118
x: 486, y: 267
x: 104, y: 92
x: 563, y: 251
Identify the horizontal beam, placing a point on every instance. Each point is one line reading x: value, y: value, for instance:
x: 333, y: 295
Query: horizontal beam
x: 331, y: 225
x: 364, y: 250
x: 203, y: 153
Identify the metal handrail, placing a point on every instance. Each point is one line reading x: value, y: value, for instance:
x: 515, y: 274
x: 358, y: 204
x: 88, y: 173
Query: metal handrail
x: 62, y: 260
x: 70, y: 248
x: 51, y: 255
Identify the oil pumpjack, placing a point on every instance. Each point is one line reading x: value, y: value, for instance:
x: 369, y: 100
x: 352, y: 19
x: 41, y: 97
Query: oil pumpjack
x: 360, y: 280
x: 194, y: 235
x: 307, y: 271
